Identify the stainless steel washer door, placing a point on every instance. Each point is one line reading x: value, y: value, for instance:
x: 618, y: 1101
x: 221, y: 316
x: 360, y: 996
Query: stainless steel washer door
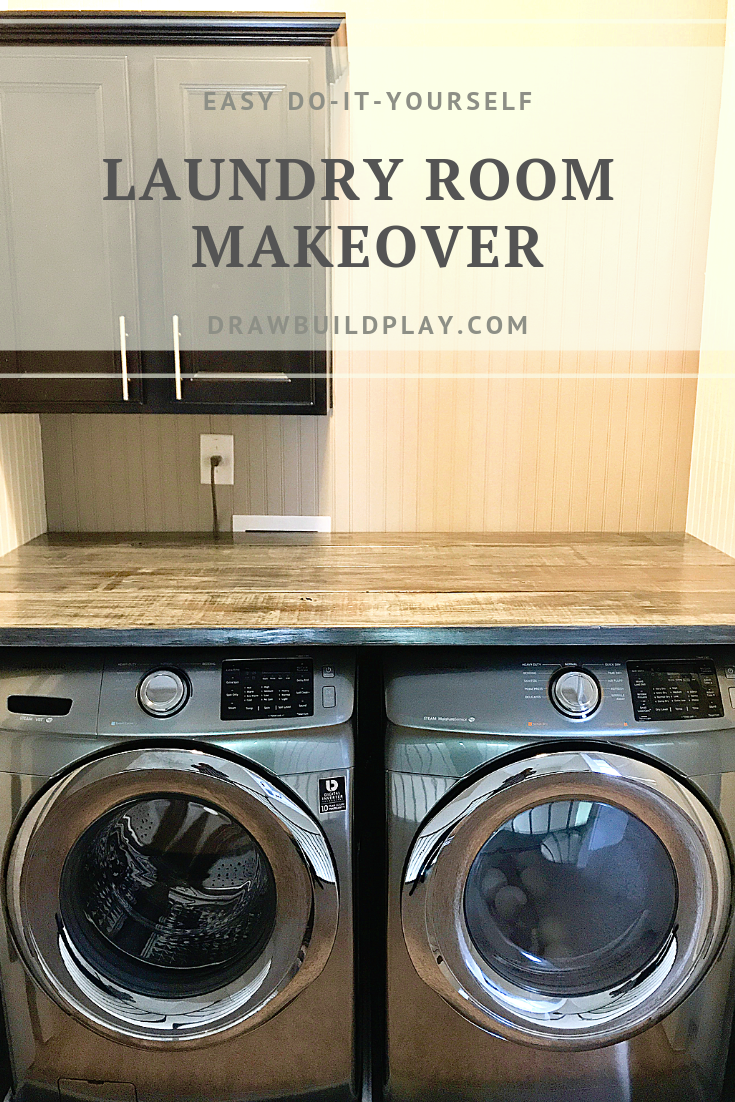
x: 569, y: 899
x: 167, y: 894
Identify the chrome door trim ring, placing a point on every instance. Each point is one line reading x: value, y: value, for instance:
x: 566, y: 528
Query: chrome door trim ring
x: 443, y: 850
x: 287, y: 832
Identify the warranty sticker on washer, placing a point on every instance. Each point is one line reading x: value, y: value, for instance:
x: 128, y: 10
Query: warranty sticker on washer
x: 332, y: 795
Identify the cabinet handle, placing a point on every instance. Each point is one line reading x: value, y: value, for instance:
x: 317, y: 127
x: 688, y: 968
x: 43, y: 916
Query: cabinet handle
x: 244, y: 376
x: 124, y: 359
x: 177, y: 358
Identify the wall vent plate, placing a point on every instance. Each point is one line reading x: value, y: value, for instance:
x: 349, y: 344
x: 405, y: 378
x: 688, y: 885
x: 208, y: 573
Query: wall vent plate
x: 244, y: 523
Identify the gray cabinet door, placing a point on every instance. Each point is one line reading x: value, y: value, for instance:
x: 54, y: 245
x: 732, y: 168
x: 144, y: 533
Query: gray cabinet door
x: 237, y: 326
x: 67, y: 257
x: 90, y: 285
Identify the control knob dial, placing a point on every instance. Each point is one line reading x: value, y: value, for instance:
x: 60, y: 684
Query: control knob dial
x: 576, y: 693
x: 163, y: 692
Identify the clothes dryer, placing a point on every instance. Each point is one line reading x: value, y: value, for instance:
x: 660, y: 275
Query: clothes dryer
x: 177, y: 881
x: 560, y: 877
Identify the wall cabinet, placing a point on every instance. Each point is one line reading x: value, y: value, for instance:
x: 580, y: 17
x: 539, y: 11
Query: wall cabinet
x: 101, y: 306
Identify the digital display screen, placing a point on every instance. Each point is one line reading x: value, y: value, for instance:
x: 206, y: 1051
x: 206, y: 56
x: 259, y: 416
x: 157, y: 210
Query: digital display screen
x: 674, y: 690
x: 268, y: 689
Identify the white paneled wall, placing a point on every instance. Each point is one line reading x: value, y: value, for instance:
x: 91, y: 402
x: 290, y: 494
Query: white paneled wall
x: 22, y: 501
x: 711, y: 512
x: 141, y: 473
x: 407, y: 451
x: 507, y: 451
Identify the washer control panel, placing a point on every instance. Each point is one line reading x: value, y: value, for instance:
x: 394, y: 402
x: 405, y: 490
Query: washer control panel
x: 235, y: 692
x: 674, y: 690
x: 267, y: 689
x: 575, y: 693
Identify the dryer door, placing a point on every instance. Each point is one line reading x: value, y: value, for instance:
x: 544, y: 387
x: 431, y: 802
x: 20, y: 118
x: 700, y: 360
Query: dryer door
x: 569, y: 899
x: 170, y: 893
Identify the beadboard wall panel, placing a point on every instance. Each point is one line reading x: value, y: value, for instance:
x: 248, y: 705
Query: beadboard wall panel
x: 22, y: 500
x: 711, y: 512
x: 421, y: 443
x: 456, y: 442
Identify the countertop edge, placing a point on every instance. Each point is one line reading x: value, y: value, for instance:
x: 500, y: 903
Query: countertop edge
x: 535, y: 635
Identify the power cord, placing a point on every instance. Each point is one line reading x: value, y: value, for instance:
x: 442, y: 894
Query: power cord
x: 214, y: 462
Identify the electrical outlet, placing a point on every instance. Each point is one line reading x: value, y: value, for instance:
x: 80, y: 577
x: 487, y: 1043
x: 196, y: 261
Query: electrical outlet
x: 209, y: 445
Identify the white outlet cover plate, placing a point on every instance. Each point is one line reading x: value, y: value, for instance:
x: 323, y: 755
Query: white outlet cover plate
x: 211, y: 444
x: 250, y: 523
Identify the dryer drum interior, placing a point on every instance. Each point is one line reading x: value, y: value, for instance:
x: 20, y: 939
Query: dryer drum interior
x: 567, y: 900
x: 571, y: 897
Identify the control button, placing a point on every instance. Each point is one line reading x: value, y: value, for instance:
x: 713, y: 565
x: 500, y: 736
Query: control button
x: 163, y: 693
x: 329, y: 696
x: 328, y: 671
x: 576, y: 693
x: 730, y: 671
x: 731, y: 690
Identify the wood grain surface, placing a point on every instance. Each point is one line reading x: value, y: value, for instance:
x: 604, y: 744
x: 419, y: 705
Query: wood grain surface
x: 353, y: 588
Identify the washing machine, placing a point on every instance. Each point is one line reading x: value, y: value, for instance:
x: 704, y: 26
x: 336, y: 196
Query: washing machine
x: 177, y: 877
x: 560, y: 877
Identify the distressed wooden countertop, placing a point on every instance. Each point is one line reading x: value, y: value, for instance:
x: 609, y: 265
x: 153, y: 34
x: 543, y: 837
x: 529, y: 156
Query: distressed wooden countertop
x: 365, y: 588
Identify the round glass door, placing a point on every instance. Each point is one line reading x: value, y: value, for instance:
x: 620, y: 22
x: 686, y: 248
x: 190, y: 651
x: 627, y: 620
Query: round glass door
x: 571, y: 897
x: 168, y: 895
x: 568, y: 899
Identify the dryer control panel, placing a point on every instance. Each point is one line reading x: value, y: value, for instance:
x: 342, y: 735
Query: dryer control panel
x: 572, y: 692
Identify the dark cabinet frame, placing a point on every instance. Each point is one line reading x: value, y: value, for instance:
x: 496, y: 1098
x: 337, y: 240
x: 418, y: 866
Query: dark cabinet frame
x: 310, y: 395
x: 141, y: 28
